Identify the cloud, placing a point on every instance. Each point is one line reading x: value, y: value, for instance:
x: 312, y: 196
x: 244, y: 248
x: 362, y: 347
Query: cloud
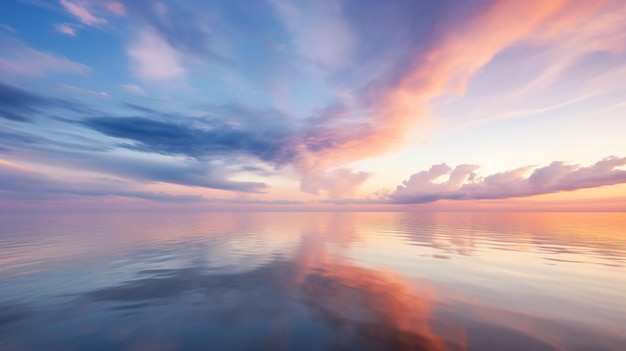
x: 337, y: 184
x: 116, y: 7
x: 265, y: 134
x: 20, y: 105
x: 463, y: 183
x: 133, y: 89
x: 83, y: 90
x: 320, y: 32
x: 97, y: 156
x: 18, y: 59
x: 186, y: 28
x: 217, y: 37
x: 154, y: 59
x: 29, y: 184
x: 184, y: 173
x: 378, y: 117
x: 7, y: 28
x: 238, y: 135
x: 66, y: 28
x: 12, y: 140
x: 17, y: 104
x: 403, y: 57
x: 78, y: 10
x: 171, y: 36
x: 234, y: 131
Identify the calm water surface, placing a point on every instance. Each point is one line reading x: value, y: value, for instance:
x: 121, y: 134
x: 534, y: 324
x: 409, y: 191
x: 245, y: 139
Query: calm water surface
x: 313, y: 281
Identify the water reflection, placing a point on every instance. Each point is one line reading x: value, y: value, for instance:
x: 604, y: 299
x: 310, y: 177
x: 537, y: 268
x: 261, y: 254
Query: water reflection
x: 338, y: 281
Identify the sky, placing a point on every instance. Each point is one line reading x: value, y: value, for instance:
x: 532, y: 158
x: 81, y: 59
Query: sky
x: 349, y: 104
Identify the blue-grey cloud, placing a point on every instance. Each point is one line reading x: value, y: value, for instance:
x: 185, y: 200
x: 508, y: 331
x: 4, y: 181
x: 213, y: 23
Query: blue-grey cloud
x: 174, y: 171
x: 25, y: 184
x: 15, y: 140
x: 17, y: 104
x: 20, y: 105
x: 266, y: 135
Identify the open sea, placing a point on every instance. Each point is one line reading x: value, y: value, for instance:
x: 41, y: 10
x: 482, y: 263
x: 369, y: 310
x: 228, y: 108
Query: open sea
x: 313, y: 281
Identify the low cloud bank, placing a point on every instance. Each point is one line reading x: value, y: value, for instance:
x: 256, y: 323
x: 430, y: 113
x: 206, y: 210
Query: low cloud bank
x: 464, y: 183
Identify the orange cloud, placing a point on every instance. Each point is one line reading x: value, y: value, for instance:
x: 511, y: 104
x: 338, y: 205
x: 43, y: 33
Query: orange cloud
x: 446, y: 67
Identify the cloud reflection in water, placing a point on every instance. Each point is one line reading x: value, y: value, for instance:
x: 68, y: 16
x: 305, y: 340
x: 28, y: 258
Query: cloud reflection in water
x: 250, y: 283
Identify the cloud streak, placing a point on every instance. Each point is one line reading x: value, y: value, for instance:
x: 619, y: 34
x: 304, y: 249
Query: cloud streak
x: 20, y: 105
x: 81, y: 12
x: 203, y: 138
x: 23, y: 183
x: 66, y: 28
x: 383, y: 113
x: 308, y: 89
x: 463, y: 183
x: 17, y: 59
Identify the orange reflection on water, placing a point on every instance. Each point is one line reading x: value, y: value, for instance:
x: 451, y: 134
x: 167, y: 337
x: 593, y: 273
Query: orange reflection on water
x: 382, y: 307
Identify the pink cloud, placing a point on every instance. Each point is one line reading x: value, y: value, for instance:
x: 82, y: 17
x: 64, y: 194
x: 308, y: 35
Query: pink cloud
x: 336, y: 184
x: 383, y: 119
x: 154, y: 59
x: 116, y: 7
x: 464, y: 184
x: 65, y: 28
x: 80, y: 11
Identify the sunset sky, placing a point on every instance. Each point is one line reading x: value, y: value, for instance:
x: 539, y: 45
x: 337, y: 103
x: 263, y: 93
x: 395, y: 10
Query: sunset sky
x: 432, y: 104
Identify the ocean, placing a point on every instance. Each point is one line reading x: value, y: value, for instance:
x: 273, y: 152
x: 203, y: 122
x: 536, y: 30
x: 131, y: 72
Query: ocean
x: 313, y: 281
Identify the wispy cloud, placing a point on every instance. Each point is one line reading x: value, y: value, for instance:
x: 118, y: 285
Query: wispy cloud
x: 17, y: 104
x: 320, y: 32
x: 183, y: 27
x: 20, y: 105
x: 133, y: 89
x: 7, y: 28
x: 28, y: 184
x: 337, y: 184
x: 381, y: 115
x: 18, y: 59
x: 464, y: 183
x: 116, y: 7
x: 66, y: 28
x: 154, y: 59
x: 369, y: 72
x: 201, y: 138
x: 83, y: 90
x: 80, y: 11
